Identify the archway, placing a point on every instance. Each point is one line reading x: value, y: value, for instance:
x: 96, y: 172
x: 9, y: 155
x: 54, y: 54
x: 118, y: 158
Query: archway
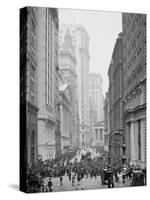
x: 117, y: 147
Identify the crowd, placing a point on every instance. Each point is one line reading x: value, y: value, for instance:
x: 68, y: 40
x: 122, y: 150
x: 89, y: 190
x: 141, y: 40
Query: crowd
x: 75, y: 169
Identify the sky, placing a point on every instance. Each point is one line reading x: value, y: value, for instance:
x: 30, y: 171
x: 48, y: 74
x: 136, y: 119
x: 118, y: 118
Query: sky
x: 103, y: 28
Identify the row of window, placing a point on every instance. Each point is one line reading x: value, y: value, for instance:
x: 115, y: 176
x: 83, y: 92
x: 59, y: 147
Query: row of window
x: 134, y: 62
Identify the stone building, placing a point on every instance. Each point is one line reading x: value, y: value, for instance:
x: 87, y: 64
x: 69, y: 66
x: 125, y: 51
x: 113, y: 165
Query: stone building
x: 80, y: 41
x: 48, y: 84
x: 115, y: 74
x: 67, y: 64
x: 28, y: 91
x: 134, y: 70
x: 96, y: 96
x: 28, y: 85
x: 106, y: 122
x: 98, y: 137
x: 65, y: 112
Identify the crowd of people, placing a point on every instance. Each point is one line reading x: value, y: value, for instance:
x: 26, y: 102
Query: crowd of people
x: 76, y: 165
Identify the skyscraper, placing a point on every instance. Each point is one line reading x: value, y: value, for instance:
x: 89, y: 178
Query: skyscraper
x: 28, y: 83
x: 115, y: 74
x: 80, y: 41
x: 96, y: 96
x: 134, y: 70
x: 48, y: 84
x: 28, y: 91
x: 67, y: 62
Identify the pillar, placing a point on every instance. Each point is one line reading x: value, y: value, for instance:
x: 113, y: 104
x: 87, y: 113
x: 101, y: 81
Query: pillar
x: 132, y: 142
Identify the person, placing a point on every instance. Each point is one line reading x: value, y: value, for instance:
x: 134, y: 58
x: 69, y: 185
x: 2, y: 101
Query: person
x: 73, y: 179
x: 78, y: 178
x: 43, y: 187
x: 110, y: 180
x: 116, y: 177
x: 123, y: 178
x: 69, y: 175
x: 50, y: 183
x: 61, y: 179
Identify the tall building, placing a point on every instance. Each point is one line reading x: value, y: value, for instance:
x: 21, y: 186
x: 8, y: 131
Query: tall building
x: 96, y: 97
x: 65, y: 113
x: 80, y: 41
x: 115, y: 74
x: 28, y: 84
x: 48, y: 84
x: 28, y: 91
x: 67, y: 64
x: 106, y: 122
x: 134, y: 70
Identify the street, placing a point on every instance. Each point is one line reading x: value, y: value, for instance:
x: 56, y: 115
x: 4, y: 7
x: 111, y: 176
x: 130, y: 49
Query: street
x: 85, y: 184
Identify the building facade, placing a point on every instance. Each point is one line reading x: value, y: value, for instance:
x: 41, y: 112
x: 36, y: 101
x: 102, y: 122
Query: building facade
x: 28, y: 84
x: 48, y: 84
x: 98, y: 137
x: 106, y: 123
x: 67, y: 63
x: 115, y: 74
x: 65, y: 110
x: 134, y: 70
x: 80, y: 41
x: 96, y: 97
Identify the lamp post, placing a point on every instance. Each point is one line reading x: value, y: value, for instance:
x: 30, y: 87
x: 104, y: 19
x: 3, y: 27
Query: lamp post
x: 124, y: 157
x: 109, y: 162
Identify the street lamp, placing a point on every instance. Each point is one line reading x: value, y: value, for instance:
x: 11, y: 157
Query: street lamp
x: 109, y: 162
x: 124, y: 157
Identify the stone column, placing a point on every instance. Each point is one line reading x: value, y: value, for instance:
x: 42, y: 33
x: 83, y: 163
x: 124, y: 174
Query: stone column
x: 142, y: 140
x: 127, y: 134
x: 132, y: 141
x: 136, y: 148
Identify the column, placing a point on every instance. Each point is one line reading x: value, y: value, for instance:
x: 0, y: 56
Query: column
x: 132, y: 143
x: 143, y: 140
x: 127, y: 134
x: 136, y: 149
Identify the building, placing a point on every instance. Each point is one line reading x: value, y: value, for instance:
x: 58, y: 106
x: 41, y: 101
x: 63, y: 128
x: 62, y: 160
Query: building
x: 28, y: 85
x: 134, y: 70
x: 67, y: 64
x: 98, y: 137
x: 106, y: 123
x: 80, y: 41
x: 65, y: 110
x: 115, y: 74
x: 28, y: 91
x: 48, y: 84
x: 96, y: 96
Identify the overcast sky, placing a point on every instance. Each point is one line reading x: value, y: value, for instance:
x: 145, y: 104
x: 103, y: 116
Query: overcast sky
x: 103, y: 28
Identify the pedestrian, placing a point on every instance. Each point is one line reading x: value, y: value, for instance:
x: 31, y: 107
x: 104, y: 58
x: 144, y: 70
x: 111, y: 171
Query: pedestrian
x: 43, y: 187
x: 73, y: 180
x: 61, y: 179
x: 50, y: 184
x: 69, y: 175
x: 110, y: 180
x: 78, y: 178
